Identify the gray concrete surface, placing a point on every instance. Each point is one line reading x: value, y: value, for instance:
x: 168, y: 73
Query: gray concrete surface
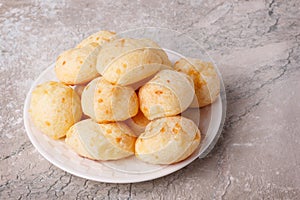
x: 256, y: 46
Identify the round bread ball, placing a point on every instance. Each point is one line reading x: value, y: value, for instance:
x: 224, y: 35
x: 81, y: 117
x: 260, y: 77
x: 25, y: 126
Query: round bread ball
x: 126, y: 61
x: 105, y: 102
x: 100, y: 38
x: 101, y: 141
x: 138, y: 123
x: 54, y: 108
x: 167, y: 94
x: 206, y: 80
x: 77, y: 66
x: 167, y: 140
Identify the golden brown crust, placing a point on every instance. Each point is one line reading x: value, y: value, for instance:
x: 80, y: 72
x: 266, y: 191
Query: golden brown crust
x: 99, y: 38
x: 206, y: 80
x: 54, y: 108
x: 101, y: 141
x: 126, y: 61
x: 77, y: 66
x: 167, y: 94
x: 168, y: 140
x: 105, y: 102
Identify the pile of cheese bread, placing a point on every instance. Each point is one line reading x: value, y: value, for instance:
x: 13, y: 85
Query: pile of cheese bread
x: 117, y: 97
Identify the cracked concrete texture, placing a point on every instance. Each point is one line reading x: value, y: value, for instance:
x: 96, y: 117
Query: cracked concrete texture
x: 256, y: 45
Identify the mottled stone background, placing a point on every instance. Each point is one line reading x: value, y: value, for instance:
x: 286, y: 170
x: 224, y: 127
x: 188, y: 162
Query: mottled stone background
x: 256, y: 46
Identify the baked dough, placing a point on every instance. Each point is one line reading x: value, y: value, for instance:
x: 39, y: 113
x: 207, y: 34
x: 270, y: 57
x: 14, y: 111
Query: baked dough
x: 126, y: 61
x: 206, y: 80
x: 54, y: 108
x: 100, y: 38
x: 167, y: 94
x: 101, y: 141
x: 105, y: 102
x: 167, y: 140
x: 138, y: 123
x: 77, y: 66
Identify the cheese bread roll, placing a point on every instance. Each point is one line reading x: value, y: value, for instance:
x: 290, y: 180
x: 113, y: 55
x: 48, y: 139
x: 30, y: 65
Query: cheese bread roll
x: 105, y: 102
x: 206, y: 80
x: 167, y: 94
x: 167, y: 140
x: 126, y: 61
x: 77, y: 66
x: 54, y: 108
x: 95, y: 141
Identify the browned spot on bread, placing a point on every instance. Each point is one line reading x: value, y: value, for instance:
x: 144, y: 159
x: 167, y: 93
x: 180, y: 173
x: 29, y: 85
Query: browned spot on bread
x: 106, y: 111
x: 118, y: 140
x: 64, y: 62
x: 100, y: 100
x: 99, y: 90
x: 97, y: 38
x: 163, y: 130
x: 124, y: 65
x: 168, y: 81
x: 80, y: 62
x: 145, y: 109
x: 158, y: 92
x: 118, y: 71
x: 106, y: 39
x: 47, y: 123
x: 108, y: 131
x: 176, y: 128
x: 63, y: 100
x: 94, y: 44
x: 197, y: 137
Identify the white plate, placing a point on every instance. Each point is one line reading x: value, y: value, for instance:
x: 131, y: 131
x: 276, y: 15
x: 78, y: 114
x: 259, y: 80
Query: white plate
x: 127, y: 170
